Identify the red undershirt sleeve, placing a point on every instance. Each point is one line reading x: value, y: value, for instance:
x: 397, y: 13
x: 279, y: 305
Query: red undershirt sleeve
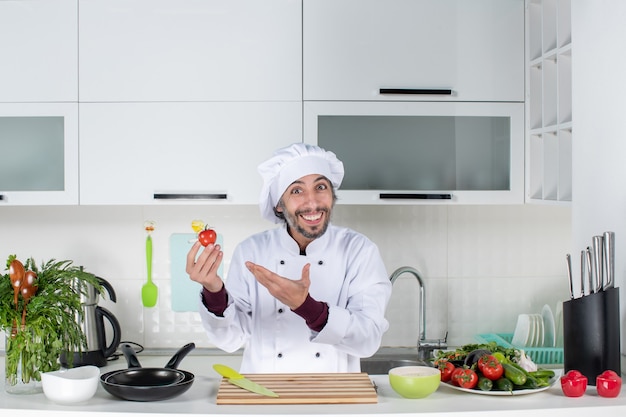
x: 314, y: 313
x: 215, y: 302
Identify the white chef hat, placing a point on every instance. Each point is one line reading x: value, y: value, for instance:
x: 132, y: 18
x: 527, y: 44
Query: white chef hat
x: 290, y: 163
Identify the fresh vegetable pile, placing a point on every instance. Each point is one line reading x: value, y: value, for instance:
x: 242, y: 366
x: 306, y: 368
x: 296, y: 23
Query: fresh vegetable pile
x: 490, y: 367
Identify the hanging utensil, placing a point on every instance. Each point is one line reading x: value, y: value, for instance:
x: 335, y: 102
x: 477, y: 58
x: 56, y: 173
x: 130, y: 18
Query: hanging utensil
x: 149, y: 291
x: 609, y: 260
x: 568, y: 259
x: 598, y: 259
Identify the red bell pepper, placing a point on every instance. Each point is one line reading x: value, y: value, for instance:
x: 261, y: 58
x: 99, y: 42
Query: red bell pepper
x: 574, y: 384
x: 608, y: 384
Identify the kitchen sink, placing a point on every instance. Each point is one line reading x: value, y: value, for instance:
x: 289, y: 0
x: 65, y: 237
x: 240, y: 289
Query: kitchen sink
x: 383, y: 361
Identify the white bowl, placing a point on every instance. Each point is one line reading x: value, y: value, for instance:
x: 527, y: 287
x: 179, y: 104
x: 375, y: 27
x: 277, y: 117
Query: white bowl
x: 68, y: 386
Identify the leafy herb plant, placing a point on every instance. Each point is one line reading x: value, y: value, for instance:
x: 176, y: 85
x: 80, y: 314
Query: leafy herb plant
x: 49, y: 325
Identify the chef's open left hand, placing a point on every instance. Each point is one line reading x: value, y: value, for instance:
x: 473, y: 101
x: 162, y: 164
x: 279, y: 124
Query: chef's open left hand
x: 292, y: 293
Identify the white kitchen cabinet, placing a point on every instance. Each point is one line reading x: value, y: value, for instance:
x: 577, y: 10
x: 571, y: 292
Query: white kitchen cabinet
x: 38, y: 41
x: 426, y: 153
x: 190, y: 50
x: 39, y: 148
x: 169, y: 153
x: 355, y: 48
x: 549, y: 101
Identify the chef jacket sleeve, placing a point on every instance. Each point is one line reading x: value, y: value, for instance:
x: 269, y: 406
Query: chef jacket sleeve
x: 357, y: 322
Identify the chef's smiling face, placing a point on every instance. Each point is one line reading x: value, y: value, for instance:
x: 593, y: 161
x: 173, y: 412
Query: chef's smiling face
x: 306, y: 205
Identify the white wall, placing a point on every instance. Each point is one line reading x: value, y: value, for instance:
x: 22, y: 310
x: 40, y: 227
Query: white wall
x: 599, y: 114
x: 483, y: 265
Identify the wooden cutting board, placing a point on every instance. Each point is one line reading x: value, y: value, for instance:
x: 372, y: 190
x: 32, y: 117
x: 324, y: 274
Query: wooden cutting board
x: 331, y: 388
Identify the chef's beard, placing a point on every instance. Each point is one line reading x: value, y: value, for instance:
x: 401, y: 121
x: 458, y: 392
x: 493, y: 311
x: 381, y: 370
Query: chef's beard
x: 292, y: 222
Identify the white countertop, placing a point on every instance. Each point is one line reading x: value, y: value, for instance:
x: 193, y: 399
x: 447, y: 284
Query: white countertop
x: 200, y: 399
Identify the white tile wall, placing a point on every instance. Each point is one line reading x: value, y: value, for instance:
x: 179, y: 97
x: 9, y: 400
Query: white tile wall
x: 482, y: 265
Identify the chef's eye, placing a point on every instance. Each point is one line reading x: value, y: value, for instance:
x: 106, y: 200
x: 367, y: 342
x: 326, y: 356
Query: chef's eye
x: 322, y: 187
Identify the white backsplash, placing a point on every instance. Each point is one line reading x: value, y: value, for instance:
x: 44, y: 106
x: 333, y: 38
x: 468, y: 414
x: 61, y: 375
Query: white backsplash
x: 482, y: 265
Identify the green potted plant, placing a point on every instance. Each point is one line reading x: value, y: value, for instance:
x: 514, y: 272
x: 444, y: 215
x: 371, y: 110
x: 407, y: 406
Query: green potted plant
x: 39, y: 307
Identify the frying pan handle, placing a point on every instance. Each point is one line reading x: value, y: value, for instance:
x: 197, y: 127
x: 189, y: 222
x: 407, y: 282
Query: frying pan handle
x: 179, y: 355
x: 131, y: 357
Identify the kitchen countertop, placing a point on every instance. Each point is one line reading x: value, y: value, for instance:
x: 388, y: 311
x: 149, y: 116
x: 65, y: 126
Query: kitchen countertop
x: 200, y: 399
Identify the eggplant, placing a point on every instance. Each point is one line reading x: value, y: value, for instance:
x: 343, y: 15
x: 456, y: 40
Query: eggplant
x: 474, y: 355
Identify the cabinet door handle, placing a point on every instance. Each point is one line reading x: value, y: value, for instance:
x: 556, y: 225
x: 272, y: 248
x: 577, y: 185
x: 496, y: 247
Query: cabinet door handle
x: 1, y: 197
x: 190, y: 196
x: 414, y: 196
x: 422, y: 91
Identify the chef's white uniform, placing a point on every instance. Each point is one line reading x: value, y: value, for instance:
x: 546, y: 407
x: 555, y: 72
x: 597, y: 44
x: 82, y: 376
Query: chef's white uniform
x: 346, y: 272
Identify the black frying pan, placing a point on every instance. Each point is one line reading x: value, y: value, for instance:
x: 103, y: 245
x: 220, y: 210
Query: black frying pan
x: 148, y: 384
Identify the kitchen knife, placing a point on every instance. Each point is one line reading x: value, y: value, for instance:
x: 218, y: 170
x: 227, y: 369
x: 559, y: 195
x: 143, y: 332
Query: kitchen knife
x: 609, y: 260
x: 236, y: 378
x: 598, y: 259
x: 568, y: 259
x: 583, y: 272
x: 589, y: 270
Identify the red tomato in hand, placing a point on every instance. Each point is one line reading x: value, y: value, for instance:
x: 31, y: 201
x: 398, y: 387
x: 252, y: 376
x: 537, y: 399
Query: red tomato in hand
x: 465, y: 378
x: 490, y: 367
x: 207, y: 236
x: 574, y: 384
x: 608, y: 384
x: 446, y: 368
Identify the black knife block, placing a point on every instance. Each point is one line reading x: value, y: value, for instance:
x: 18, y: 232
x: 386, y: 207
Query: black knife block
x: 591, y: 334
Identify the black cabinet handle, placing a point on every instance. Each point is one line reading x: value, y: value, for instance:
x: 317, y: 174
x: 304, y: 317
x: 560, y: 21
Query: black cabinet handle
x: 422, y: 91
x: 190, y: 196
x: 1, y: 197
x: 414, y: 196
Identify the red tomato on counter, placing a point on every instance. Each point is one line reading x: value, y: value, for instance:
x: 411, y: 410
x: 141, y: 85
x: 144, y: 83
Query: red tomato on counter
x: 490, y: 367
x: 608, y: 384
x: 446, y: 368
x: 573, y: 384
x: 465, y: 377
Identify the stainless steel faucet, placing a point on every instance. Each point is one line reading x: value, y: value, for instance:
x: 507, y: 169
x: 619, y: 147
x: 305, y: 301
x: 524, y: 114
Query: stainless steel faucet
x: 425, y: 347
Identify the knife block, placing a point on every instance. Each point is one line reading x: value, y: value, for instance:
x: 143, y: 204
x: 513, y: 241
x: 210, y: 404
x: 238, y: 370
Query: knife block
x: 591, y: 334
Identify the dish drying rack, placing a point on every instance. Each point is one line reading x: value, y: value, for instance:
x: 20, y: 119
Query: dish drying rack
x: 539, y: 355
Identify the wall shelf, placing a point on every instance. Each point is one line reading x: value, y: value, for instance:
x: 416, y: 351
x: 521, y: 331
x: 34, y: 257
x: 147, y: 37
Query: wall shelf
x: 549, y: 101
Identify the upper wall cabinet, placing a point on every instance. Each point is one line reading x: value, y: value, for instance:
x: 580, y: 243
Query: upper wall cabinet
x: 38, y: 48
x: 414, y: 50
x: 190, y: 50
x: 170, y: 153
x: 39, y: 148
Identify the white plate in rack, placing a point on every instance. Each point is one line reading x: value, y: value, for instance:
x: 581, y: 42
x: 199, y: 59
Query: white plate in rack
x: 549, y: 326
x: 523, y: 328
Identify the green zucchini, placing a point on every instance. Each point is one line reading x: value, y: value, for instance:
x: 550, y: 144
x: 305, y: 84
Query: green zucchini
x: 484, y: 384
x: 516, y: 375
x: 504, y: 384
x: 543, y: 373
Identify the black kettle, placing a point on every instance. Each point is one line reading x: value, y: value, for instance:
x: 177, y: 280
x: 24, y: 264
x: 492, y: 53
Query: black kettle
x: 93, y: 326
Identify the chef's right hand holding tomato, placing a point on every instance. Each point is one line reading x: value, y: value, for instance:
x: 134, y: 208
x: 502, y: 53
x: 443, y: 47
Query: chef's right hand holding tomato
x: 203, y: 268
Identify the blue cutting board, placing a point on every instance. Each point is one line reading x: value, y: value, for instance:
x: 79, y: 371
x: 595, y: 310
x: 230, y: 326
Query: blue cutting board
x: 185, y: 292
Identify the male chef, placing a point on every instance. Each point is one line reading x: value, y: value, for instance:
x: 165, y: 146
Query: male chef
x: 307, y: 296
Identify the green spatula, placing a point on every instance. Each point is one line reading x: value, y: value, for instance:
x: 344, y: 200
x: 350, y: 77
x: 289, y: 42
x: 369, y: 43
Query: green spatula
x: 149, y: 291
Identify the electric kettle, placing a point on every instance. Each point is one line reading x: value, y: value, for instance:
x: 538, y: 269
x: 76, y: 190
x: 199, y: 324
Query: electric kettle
x: 93, y: 327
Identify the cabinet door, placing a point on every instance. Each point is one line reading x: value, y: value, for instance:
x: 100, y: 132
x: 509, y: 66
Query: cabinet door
x: 190, y: 50
x: 39, y: 148
x: 38, y: 46
x: 415, y: 153
x: 162, y: 153
x: 355, y: 48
